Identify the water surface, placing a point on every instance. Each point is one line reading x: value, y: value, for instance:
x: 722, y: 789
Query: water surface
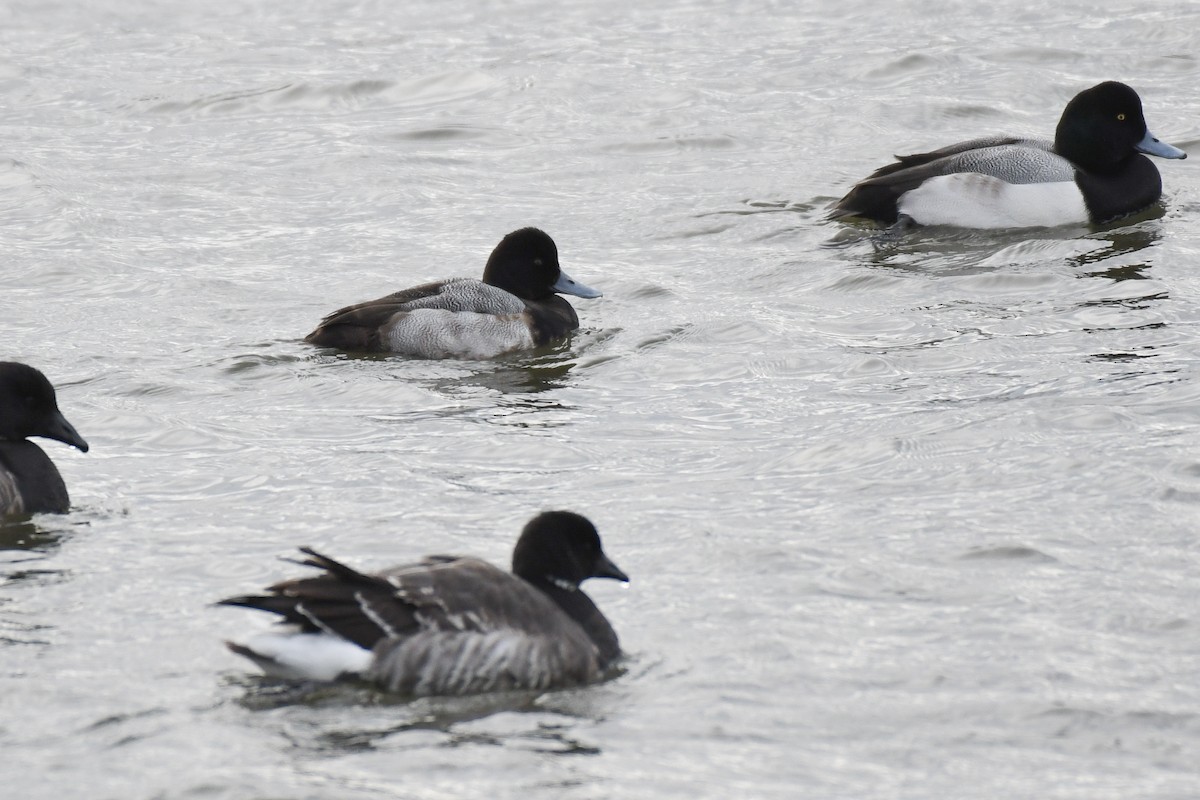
x: 910, y: 520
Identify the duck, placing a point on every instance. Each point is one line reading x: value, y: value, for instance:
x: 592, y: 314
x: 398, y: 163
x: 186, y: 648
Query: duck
x: 29, y: 481
x: 1092, y: 173
x: 446, y: 625
x: 514, y: 308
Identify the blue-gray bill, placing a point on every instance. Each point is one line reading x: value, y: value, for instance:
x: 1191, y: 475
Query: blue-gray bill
x: 1153, y: 147
x: 568, y: 285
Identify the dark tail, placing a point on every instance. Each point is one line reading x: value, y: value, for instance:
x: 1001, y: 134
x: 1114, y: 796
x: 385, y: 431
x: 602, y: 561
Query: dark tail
x: 355, y: 338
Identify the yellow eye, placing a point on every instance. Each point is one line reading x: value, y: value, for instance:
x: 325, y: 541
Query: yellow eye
x: 1121, y: 117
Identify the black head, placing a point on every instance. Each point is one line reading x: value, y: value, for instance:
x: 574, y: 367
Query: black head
x: 1101, y: 127
x: 28, y: 407
x: 525, y: 263
x: 562, y: 547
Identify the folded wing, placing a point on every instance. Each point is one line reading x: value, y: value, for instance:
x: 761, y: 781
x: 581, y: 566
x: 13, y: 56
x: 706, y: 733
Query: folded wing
x: 1008, y: 159
x: 366, y: 326
x: 445, y: 625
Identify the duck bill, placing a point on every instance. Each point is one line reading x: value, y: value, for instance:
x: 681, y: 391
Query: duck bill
x: 605, y: 568
x: 568, y: 285
x: 1153, y: 147
x: 59, y: 429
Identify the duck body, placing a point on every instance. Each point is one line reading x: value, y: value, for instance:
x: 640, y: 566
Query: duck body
x: 455, y: 318
x: 515, y: 307
x: 447, y: 625
x: 30, y: 483
x: 1092, y: 172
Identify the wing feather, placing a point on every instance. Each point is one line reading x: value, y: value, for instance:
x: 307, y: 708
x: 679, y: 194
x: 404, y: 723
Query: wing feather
x: 1010, y: 159
x: 441, y: 593
x: 444, y: 625
x: 366, y: 326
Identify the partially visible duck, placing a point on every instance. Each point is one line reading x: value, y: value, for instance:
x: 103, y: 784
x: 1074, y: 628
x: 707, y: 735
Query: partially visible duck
x: 447, y: 625
x: 515, y: 307
x: 1092, y: 172
x: 29, y: 481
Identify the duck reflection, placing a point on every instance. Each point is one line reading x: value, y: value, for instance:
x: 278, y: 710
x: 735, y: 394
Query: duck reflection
x: 22, y: 533
x: 518, y: 377
x: 1122, y: 241
x: 540, y: 721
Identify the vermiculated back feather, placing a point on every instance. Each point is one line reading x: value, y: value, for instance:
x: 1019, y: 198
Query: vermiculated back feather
x: 1012, y: 160
x: 370, y: 326
x: 917, y: 159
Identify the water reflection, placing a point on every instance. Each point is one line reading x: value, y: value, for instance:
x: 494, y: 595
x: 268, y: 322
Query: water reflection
x: 544, y: 737
x: 762, y: 207
x: 504, y: 392
x: 374, y: 717
x: 961, y: 247
x: 18, y: 628
x: 24, y: 533
x: 530, y: 377
x: 1123, y: 357
x: 1121, y: 241
x: 265, y: 693
x: 1015, y: 552
x: 26, y: 542
x: 521, y: 373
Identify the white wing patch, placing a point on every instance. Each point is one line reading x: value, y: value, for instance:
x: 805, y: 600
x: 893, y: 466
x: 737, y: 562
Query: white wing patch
x: 307, y: 656
x: 369, y: 612
x: 973, y: 200
x: 437, y: 333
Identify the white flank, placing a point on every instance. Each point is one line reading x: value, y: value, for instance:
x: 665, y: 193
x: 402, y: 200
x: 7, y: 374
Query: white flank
x: 434, y: 333
x: 972, y: 200
x: 308, y: 656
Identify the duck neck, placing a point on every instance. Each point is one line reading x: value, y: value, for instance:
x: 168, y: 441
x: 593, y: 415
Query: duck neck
x: 552, y: 319
x: 36, y: 478
x: 1079, y: 144
x: 579, y: 607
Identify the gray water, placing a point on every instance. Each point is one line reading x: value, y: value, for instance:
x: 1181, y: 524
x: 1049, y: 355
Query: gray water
x: 907, y: 521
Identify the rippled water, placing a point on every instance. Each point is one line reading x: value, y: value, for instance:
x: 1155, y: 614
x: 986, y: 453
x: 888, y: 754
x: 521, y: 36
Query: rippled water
x: 911, y: 520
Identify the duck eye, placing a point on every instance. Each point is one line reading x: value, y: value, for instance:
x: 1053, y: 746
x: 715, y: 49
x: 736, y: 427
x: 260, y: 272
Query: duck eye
x: 1121, y: 117
x: 537, y: 262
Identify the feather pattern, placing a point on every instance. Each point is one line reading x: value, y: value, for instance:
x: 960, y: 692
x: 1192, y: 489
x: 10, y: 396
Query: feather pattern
x: 1011, y: 160
x: 1092, y: 171
x: 515, y: 307
x: 975, y: 196
x: 11, y: 501
x: 454, y: 624
x: 430, y: 333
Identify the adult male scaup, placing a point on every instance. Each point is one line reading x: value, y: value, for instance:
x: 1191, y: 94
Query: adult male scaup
x: 1092, y: 172
x: 448, y: 625
x: 515, y: 307
x: 29, y: 481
